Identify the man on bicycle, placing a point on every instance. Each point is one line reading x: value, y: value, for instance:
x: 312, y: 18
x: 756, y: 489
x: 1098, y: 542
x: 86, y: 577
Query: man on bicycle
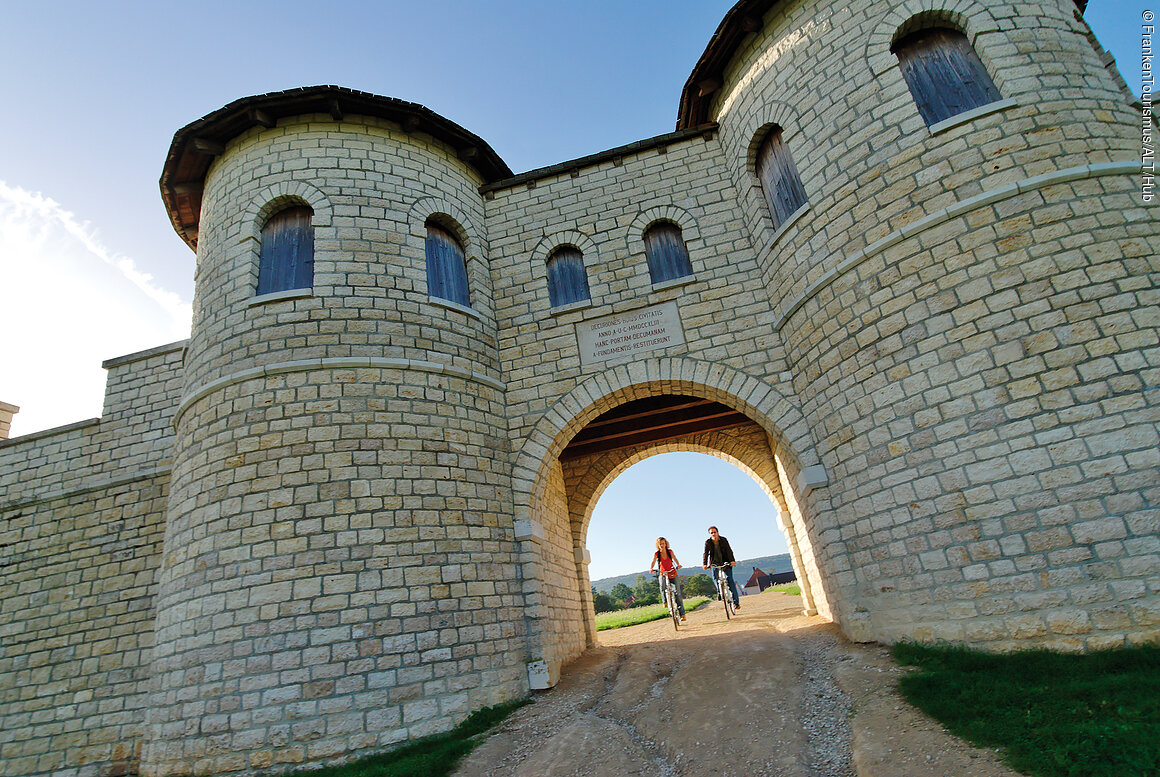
x: 719, y: 554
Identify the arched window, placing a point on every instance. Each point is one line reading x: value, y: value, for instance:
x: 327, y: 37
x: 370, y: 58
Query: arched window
x: 286, y: 259
x: 779, y: 178
x: 446, y: 266
x: 945, y: 75
x: 664, y: 248
x: 567, y: 280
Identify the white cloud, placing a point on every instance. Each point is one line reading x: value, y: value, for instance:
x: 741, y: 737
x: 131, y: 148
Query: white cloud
x: 67, y: 303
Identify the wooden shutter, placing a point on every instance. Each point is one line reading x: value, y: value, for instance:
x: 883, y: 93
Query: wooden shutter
x: 779, y: 179
x: 286, y: 259
x: 567, y: 280
x: 446, y: 266
x: 665, y: 251
x: 945, y: 75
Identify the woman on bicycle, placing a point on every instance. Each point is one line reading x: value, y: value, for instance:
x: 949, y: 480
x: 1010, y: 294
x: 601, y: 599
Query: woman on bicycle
x: 669, y: 565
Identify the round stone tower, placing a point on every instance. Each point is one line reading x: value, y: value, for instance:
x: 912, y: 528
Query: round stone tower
x: 967, y: 303
x: 339, y: 572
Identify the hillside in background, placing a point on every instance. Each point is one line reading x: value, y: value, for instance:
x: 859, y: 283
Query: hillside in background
x: 741, y: 573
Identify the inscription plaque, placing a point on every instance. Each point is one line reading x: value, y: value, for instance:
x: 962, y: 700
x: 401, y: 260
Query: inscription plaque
x: 625, y: 335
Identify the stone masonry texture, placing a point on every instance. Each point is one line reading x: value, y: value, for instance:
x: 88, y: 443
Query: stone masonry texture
x: 338, y: 518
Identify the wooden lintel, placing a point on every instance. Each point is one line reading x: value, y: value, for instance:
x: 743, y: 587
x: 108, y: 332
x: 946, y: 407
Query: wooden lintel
x: 468, y: 153
x: 188, y: 187
x: 410, y: 124
x: 750, y: 23
x: 207, y: 146
x: 335, y: 109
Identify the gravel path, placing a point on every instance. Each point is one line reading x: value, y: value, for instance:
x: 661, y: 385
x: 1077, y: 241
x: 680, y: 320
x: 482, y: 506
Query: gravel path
x: 827, y: 711
x: 770, y: 692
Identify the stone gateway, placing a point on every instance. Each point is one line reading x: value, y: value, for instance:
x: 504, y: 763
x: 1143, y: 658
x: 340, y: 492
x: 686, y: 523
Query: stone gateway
x: 893, y: 263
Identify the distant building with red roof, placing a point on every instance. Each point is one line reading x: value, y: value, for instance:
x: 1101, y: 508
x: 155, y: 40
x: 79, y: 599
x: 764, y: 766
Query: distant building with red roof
x: 759, y: 580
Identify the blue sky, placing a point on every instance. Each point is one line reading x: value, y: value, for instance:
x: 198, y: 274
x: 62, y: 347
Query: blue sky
x: 92, y: 93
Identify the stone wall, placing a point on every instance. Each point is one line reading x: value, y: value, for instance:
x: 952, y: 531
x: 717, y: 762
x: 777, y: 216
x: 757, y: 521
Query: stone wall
x: 6, y: 412
x: 556, y: 603
x: 83, y: 520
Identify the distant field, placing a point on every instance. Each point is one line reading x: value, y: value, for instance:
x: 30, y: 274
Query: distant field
x: 635, y: 615
x: 769, y: 564
x: 789, y: 589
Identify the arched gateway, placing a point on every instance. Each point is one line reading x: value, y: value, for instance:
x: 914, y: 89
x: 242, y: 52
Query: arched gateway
x: 921, y: 311
x: 639, y: 409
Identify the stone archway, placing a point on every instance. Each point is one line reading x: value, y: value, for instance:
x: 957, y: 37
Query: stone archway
x: 747, y: 449
x: 553, y: 504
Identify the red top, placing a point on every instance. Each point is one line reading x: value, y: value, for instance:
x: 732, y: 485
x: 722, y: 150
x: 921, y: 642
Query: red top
x: 667, y: 564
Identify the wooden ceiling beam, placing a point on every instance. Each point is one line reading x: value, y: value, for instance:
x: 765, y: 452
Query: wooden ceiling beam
x: 645, y: 429
x: 657, y: 435
x: 611, y: 417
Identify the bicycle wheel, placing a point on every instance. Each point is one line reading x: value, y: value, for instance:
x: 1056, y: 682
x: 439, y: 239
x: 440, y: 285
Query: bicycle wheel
x: 674, y: 610
x: 723, y: 590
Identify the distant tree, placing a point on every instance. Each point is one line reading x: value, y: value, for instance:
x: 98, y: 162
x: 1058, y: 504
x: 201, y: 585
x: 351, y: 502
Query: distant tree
x: 603, y: 602
x: 646, y: 591
x: 700, y: 585
x: 620, y: 593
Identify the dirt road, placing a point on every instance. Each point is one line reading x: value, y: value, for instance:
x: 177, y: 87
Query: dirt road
x: 770, y: 692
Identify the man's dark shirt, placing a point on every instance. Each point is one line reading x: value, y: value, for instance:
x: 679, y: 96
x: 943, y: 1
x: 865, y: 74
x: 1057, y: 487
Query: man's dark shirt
x: 720, y: 553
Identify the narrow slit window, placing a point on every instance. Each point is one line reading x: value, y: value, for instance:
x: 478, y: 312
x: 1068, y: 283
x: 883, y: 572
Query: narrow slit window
x: 446, y: 266
x: 779, y: 178
x: 567, y: 280
x: 286, y: 258
x: 665, y: 251
x: 945, y: 75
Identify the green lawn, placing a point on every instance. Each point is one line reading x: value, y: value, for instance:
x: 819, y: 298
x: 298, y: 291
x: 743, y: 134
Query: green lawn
x: 434, y: 756
x: 1050, y: 714
x: 634, y: 615
x: 790, y: 589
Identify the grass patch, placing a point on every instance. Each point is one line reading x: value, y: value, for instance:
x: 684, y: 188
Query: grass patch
x: 433, y: 756
x: 1049, y: 714
x: 634, y: 615
x: 789, y: 589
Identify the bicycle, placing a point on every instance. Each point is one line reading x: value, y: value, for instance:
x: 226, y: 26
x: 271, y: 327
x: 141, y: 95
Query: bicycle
x: 723, y: 590
x: 669, y: 595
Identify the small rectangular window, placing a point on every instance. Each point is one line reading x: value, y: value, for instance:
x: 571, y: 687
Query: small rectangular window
x: 286, y: 258
x: 446, y: 266
x: 779, y: 178
x: 944, y: 74
x: 665, y: 251
x: 567, y: 280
